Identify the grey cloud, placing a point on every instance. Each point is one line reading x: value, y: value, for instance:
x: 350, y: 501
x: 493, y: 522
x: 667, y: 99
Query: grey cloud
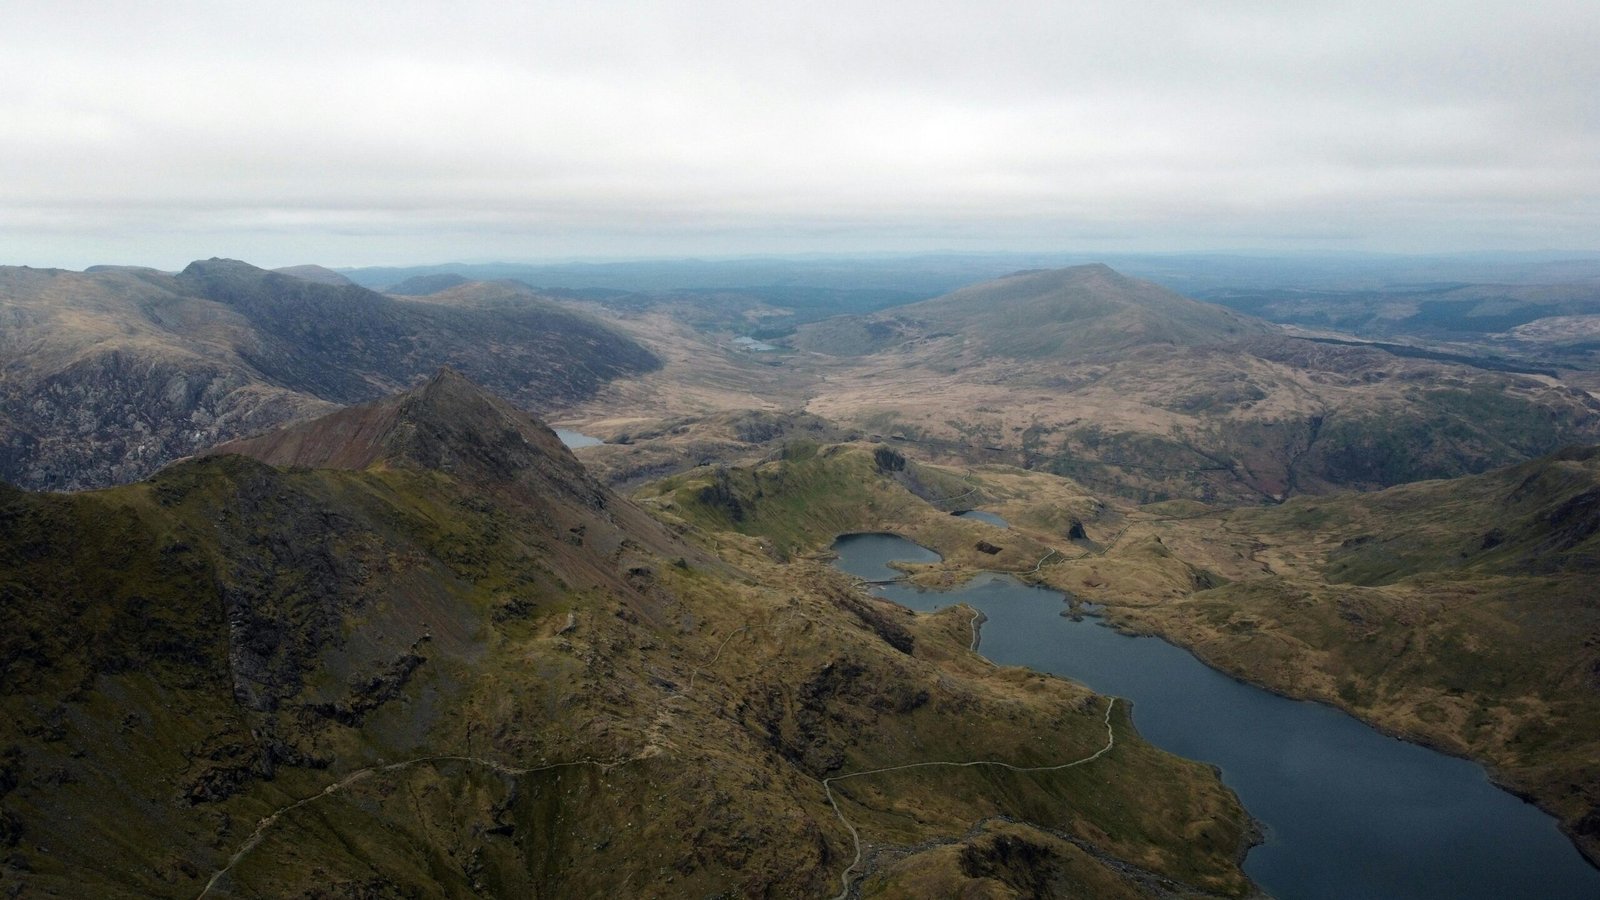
x: 363, y: 129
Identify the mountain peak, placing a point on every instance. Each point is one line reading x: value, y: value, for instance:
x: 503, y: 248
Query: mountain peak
x: 448, y: 424
x: 1077, y: 312
x: 217, y: 265
x: 318, y: 274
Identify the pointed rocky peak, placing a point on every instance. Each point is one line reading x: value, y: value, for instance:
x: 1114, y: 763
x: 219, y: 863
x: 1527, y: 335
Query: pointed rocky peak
x: 448, y: 424
x: 450, y: 418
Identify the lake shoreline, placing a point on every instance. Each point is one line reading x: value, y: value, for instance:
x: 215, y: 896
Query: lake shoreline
x: 1107, y: 616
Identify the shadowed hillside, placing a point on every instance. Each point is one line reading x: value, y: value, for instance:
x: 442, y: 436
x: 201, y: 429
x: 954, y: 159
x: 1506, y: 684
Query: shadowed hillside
x: 112, y: 373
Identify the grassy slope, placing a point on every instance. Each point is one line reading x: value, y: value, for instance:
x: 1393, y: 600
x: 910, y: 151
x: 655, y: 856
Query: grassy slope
x: 1460, y: 613
x: 802, y: 502
x: 133, y: 770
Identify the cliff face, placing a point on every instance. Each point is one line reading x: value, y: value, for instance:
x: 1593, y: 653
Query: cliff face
x: 117, y: 415
x: 422, y: 653
x: 112, y: 373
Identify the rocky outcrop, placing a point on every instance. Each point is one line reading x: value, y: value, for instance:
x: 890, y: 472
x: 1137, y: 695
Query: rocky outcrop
x: 112, y: 374
x: 118, y: 416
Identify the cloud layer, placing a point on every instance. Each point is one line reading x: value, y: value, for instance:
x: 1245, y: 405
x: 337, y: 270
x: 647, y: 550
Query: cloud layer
x: 385, y: 132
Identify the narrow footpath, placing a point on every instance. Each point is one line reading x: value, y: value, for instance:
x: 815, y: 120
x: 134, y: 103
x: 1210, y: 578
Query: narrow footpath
x: 266, y: 823
x: 827, y: 786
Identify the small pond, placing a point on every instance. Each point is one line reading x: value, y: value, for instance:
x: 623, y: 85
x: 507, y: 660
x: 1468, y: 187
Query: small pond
x: 981, y: 516
x: 576, y: 439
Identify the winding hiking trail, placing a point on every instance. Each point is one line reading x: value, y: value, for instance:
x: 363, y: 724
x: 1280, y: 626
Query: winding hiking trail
x: 1040, y: 564
x: 975, y: 488
x: 827, y: 786
x: 359, y: 775
x: 266, y: 822
x: 362, y: 774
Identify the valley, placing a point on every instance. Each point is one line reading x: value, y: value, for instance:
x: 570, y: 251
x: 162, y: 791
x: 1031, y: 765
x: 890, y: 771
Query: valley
x: 1109, y: 381
x: 800, y: 451
x: 1481, y: 647
x: 413, y: 643
x: 381, y: 640
x: 1421, y: 824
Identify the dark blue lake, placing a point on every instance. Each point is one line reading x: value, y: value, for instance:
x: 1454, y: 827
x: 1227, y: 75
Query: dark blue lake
x: 1349, y: 813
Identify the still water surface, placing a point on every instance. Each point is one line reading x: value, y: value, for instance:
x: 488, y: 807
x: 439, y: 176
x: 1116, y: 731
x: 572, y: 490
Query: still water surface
x: 982, y: 516
x: 1349, y: 813
x: 576, y: 439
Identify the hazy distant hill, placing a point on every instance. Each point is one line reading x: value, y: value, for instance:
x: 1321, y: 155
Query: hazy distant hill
x: 422, y: 285
x: 1062, y: 313
x: 112, y: 373
x: 1123, y: 384
x: 1454, y: 311
x: 319, y: 274
x: 931, y: 274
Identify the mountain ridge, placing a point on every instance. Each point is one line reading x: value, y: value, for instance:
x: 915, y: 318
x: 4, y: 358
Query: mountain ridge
x: 400, y: 677
x: 114, y: 373
x: 448, y: 424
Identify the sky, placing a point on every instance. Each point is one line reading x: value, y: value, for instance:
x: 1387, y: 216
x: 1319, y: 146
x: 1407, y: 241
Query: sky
x: 367, y: 133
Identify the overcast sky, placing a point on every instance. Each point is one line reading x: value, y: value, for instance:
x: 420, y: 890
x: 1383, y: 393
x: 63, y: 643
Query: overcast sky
x: 352, y: 133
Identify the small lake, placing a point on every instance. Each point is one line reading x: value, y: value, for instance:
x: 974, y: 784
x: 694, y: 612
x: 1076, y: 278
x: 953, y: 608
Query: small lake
x: 979, y: 515
x: 1349, y: 813
x: 576, y: 439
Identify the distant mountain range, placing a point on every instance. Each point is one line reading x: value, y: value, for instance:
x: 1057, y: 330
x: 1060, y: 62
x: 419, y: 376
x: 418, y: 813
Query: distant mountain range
x: 114, y: 372
x: 930, y: 274
x: 1082, y: 371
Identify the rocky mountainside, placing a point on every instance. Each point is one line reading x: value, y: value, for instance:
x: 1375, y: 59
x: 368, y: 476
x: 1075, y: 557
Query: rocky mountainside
x: 412, y: 650
x: 111, y: 373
